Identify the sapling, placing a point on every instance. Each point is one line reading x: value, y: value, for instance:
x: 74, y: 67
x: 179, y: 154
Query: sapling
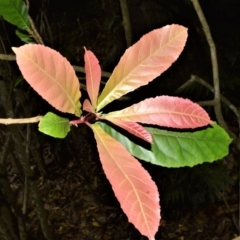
x: 52, y: 76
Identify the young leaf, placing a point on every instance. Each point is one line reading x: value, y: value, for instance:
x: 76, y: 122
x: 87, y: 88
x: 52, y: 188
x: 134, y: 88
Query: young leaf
x: 87, y: 106
x: 174, y: 149
x: 165, y: 111
x: 132, y: 127
x: 135, y: 149
x: 145, y: 60
x: 131, y: 183
x: 93, y: 76
x: 54, y: 126
x: 15, y: 12
x: 51, y: 76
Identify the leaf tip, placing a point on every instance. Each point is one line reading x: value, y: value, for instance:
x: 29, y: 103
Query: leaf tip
x: 14, y: 49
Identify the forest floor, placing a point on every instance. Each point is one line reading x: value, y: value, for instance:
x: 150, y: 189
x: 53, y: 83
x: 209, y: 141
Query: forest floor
x: 82, y: 206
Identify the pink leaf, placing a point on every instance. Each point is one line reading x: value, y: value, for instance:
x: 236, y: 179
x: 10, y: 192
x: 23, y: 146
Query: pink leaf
x: 131, y: 183
x: 87, y: 106
x: 51, y: 76
x: 133, y: 128
x: 165, y: 111
x: 93, y: 76
x: 145, y: 60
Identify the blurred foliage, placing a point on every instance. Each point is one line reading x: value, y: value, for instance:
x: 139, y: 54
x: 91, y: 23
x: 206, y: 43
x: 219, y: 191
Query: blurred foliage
x: 194, y: 186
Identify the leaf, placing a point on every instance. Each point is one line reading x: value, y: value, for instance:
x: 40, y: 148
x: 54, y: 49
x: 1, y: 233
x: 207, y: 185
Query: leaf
x: 131, y: 183
x: 54, y: 126
x: 165, y: 111
x: 93, y: 76
x: 175, y: 149
x: 133, y: 128
x: 51, y: 76
x: 145, y: 60
x: 24, y: 37
x: 87, y: 106
x: 135, y: 149
x: 15, y: 12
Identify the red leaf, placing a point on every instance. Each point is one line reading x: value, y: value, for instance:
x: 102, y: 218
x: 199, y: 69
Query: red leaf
x: 51, y: 76
x: 145, y: 60
x: 131, y: 183
x: 93, y: 76
x: 87, y: 106
x: 165, y: 111
x: 133, y: 128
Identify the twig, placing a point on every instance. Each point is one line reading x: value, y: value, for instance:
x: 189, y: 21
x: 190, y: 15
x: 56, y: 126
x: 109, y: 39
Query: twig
x: 195, y: 78
x: 222, y: 98
x: 213, y: 102
x: 26, y: 186
x: 126, y: 22
x: 185, y: 85
x: 34, y: 33
x: 27, y: 4
x: 7, y: 57
x: 207, y: 103
x: 8, y: 121
x: 217, y: 106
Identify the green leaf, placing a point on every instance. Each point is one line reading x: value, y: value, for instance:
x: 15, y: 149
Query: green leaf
x: 136, y: 150
x: 180, y: 149
x: 54, y: 126
x: 24, y: 36
x: 15, y: 12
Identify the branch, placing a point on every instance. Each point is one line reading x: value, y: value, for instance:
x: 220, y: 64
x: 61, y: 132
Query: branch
x: 8, y: 121
x: 126, y: 22
x: 217, y: 106
x: 213, y: 103
x: 26, y: 185
x: 195, y: 78
x: 33, y: 32
x: 7, y: 57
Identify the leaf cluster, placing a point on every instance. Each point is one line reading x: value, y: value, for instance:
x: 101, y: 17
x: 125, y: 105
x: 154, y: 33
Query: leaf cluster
x: 53, y: 77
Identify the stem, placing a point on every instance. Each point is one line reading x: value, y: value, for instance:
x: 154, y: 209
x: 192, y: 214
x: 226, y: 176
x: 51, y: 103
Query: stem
x: 126, y: 22
x: 34, y: 33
